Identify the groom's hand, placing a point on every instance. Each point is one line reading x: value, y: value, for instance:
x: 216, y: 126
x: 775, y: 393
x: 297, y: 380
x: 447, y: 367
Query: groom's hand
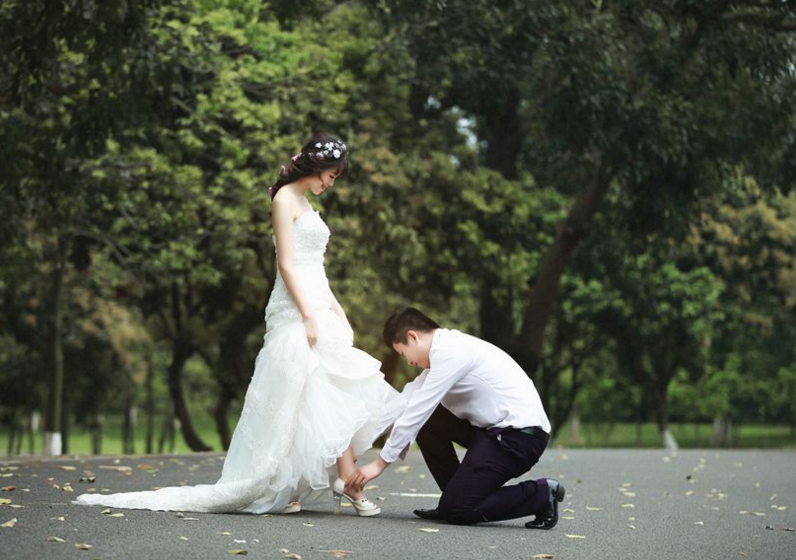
x: 357, y: 481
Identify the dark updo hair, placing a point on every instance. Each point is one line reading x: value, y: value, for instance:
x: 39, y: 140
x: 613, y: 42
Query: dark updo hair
x: 321, y: 153
x: 403, y: 320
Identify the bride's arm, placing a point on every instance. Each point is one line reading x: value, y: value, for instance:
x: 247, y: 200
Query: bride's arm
x: 284, y: 212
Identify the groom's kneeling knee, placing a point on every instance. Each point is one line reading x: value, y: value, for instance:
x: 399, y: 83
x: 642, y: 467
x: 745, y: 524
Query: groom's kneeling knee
x: 458, y: 513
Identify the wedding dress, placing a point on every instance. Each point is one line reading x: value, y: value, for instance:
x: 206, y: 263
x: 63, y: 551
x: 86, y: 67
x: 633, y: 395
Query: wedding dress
x: 303, y: 408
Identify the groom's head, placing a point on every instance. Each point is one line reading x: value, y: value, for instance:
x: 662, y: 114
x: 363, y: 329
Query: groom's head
x: 410, y: 332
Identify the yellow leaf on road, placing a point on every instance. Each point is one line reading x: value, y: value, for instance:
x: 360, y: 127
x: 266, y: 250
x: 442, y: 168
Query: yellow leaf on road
x: 68, y: 468
x: 83, y: 546
x: 575, y: 536
x: 55, y: 539
x: 237, y: 551
x: 10, y: 523
x: 594, y: 508
x: 4, y: 501
x: 543, y: 556
x: 428, y: 530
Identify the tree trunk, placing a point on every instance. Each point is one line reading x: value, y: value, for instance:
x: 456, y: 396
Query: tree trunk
x: 179, y: 356
x: 166, y: 430
x: 65, y: 426
x: 150, y: 404
x: 541, y: 296
x: 52, y: 422
x: 722, y: 431
x: 495, y: 317
x: 128, y: 427
x: 97, y: 425
x: 32, y: 429
x: 220, y: 415
x: 504, y: 135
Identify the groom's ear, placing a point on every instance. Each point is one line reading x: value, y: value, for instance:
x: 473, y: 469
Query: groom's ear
x: 411, y: 335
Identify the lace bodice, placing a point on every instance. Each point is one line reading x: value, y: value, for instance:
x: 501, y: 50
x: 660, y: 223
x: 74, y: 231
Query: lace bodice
x: 310, y: 237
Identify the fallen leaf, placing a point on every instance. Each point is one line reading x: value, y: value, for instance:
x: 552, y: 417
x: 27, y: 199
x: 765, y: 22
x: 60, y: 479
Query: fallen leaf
x: 567, y: 517
x: 190, y: 519
x: 8, y: 488
x: 60, y: 518
x: 68, y: 468
x: 772, y: 498
x: 629, y: 494
x: 769, y: 528
x: 289, y: 554
x: 183, y: 538
x: 55, y: 539
x: 699, y: 523
x: 690, y: 493
x: 87, y: 479
x: 568, y: 510
x: 628, y: 506
x: 106, y: 511
x: 83, y: 546
x: 627, y: 485
x: 225, y: 533
x: 790, y: 529
x: 10, y: 523
x: 595, y: 508
x: 338, y: 553
x: 428, y: 530
x: 403, y: 469
x: 67, y: 488
x: 757, y: 513
x: 4, y: 501
x: 309, y: 525
x: 372, y: 487
x: 238, y: 551
x: 123, y: 469
x: 575, y: 536
x: 115, y: 515
x: 543, y: 555
x: 632, y: 526
x: 239, y: 541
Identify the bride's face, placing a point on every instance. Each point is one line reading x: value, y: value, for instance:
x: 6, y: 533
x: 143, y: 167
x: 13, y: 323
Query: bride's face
x: 325, y: 182
x: 415, y: 351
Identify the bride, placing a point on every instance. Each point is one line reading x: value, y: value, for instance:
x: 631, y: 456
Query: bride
x: 315, y: 402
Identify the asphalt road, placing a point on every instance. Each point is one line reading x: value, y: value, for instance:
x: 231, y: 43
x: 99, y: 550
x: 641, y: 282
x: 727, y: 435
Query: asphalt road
x: 620, y: 504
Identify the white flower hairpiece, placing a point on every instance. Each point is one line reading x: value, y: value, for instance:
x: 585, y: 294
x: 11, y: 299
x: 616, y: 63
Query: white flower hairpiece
x: 330, y: 150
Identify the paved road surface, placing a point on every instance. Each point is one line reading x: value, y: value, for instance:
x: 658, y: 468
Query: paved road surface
x: 621, y: 504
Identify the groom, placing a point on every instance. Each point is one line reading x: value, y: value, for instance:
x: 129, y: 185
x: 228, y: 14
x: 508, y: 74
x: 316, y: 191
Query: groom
x: 474, y: 394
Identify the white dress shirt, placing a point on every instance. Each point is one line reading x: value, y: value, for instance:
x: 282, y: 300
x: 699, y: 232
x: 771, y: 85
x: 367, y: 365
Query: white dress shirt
x: 476, y: 381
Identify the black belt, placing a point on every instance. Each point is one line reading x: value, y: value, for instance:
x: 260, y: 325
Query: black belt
x: 536, y: 432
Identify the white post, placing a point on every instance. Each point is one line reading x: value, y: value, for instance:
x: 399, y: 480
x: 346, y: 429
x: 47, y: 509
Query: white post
x: 52, y: 443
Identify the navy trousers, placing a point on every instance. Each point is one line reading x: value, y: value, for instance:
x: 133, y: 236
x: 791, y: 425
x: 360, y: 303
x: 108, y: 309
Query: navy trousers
x: 473, y: 491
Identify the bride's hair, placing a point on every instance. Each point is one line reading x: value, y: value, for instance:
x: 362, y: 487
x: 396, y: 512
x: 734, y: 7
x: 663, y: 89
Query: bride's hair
x: 403, y: 320
x: 321, y: 153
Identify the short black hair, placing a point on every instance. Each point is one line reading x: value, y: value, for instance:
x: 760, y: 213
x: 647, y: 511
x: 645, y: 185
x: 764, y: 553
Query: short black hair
x: 403, y: 320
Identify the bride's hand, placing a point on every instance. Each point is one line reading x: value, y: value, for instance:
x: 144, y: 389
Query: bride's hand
x: 311, y: 326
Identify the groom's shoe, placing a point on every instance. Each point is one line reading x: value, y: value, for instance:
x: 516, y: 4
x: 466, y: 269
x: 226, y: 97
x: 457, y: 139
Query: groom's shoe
x: 428, y: 514
x: 548, y: 517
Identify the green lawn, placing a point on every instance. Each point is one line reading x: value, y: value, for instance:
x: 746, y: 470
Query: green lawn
x: 619, y: 435
x: 687, y: 435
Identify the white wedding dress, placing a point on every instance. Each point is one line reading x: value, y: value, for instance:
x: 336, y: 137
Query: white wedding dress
x: 305, y: 405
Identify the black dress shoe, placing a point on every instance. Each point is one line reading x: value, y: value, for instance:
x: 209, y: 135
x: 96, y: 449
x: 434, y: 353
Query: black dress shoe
x: 548, y: 517
x: 427, y: 513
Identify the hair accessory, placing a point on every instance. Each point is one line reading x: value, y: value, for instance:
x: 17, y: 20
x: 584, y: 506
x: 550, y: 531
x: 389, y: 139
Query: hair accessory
x: 330, y: 150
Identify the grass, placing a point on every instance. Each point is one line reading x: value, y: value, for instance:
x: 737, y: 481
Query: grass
x: 688, y: 436
x: 619, y: 435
